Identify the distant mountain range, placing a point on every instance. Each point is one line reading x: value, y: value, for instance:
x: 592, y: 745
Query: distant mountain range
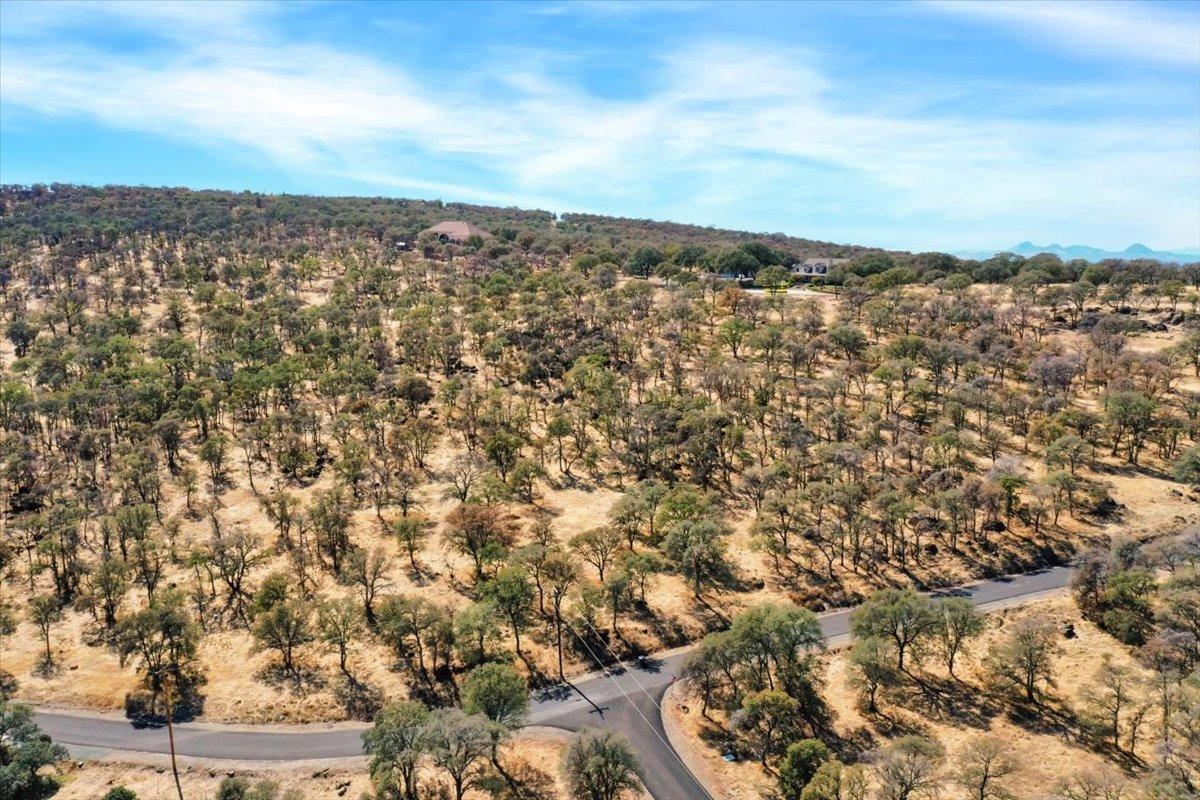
x: 1028, y: 249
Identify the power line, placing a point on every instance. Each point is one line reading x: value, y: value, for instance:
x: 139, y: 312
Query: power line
x: 646, y: 692
x: 633, y: 705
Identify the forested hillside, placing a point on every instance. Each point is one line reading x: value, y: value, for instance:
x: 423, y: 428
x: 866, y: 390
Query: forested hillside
x: 261, y: 462
x: 85, y: 219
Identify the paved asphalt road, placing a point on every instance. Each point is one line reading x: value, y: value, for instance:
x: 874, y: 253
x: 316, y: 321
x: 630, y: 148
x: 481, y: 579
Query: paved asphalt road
x: 629, y: 699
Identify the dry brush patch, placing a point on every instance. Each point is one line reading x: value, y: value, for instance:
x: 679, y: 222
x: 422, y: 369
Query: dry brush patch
x: 1043, y: 744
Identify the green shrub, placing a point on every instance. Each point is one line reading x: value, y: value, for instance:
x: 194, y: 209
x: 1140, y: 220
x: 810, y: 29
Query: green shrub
x: 799, y: 765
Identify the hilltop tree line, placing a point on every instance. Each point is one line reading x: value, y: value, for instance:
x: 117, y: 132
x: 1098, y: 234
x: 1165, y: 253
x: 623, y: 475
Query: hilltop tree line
x: 83, y: 220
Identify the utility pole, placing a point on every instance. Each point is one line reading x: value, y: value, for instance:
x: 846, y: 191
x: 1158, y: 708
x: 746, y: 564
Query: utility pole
x: 561, y: 674
x: 171, y: 733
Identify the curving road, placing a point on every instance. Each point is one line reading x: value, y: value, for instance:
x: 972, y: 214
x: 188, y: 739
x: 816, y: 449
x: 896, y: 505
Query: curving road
x: 629, y: 699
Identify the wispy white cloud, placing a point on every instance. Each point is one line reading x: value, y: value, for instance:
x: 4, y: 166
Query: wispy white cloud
x: 166, y: 18
x: 1095, y: 29
x: 727, y: 127
x: 611, y: 8
x: 297, y: 105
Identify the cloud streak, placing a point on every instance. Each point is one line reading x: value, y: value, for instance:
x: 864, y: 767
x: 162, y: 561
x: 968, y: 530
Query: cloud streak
x: 1093, y: 29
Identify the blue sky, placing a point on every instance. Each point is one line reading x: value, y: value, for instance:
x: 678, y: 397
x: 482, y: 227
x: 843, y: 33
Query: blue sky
x: 919, y: 125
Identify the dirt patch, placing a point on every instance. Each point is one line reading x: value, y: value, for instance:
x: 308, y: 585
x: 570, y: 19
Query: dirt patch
x: 532, y: 751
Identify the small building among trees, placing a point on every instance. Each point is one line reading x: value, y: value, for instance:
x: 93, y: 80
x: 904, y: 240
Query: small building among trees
x: 456, y: 231
x: 811, y: 268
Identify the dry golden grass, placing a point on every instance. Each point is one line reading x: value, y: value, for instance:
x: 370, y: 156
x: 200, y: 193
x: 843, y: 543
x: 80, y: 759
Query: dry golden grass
x: 236, y: 691
x: 236, y: 688
x: 955, y: 715
x: 86, y: 677
x: 93, y: 779
x: 534, y: 752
